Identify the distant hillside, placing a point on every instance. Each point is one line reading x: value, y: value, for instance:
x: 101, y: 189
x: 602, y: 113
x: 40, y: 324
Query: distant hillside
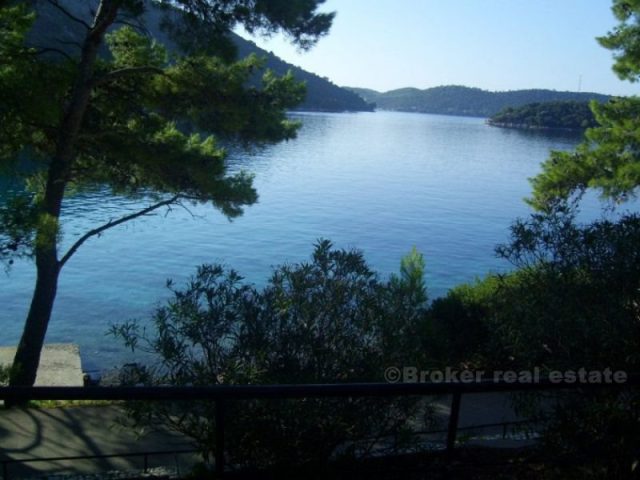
x: 567, y: 115
x: 322, y: 95
x: 457, y: 100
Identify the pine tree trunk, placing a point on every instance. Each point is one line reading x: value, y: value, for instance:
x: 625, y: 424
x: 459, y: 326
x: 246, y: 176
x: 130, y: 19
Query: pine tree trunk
x: 27, y: 358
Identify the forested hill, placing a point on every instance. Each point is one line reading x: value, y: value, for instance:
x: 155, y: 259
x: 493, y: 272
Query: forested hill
x: 322, y: 95
x: 567, y: 115
x: 457, y: 100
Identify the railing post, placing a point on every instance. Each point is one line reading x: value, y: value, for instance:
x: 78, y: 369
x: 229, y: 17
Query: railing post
x: 175, y: 459
x: 220, y: 406
x: 453, y: 424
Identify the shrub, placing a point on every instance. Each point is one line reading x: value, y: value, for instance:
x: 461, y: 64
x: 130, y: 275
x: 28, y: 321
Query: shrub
x: 327, y: 321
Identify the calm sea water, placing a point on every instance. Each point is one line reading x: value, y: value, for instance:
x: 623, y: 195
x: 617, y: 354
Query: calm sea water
x: 380, y: 182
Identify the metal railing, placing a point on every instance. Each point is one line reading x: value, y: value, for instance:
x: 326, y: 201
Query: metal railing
x: 220, y: 394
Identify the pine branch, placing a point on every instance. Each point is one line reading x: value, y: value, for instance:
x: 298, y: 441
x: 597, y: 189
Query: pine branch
x: 133, y: 22
x: 41, y: 51
x: 123, y: 72
x: 114, y: 223
x: 69, y: 14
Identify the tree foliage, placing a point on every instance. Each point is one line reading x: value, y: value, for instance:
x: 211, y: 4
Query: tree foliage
x: 624, y: 39
x: 608, y: 160
x: 578, y: 289
x: 571, y: 303
x: 330, y: 320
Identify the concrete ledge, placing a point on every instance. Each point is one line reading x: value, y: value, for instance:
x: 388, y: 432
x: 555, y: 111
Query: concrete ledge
x: 60, y: 365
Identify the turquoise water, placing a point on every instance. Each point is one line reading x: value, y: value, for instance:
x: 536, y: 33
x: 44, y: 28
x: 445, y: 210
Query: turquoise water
x: 381, y: 182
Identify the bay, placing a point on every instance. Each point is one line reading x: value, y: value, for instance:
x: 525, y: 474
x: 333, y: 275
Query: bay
x: 381, y: 182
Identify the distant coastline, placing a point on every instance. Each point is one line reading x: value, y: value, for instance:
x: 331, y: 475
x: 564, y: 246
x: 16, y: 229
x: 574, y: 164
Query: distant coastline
x: 466, y: 101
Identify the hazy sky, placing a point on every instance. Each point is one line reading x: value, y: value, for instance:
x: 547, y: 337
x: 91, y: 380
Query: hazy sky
x: 491, y: 44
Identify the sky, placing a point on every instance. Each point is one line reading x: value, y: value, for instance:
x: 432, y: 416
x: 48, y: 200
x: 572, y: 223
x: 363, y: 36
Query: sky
x: 491, y: 44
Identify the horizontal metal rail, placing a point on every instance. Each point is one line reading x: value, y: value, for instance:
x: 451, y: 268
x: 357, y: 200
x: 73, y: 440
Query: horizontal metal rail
x: 221, y: 394
x: 251, y: 392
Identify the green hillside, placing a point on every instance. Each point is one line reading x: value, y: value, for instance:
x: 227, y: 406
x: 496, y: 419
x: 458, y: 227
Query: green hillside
x: 322, y: 95
x: 566, y: 115
x: 458, y: 100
